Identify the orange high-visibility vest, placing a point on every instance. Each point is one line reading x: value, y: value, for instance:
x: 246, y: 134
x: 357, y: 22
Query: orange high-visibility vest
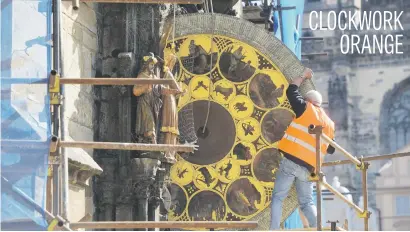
x: 299, y: 143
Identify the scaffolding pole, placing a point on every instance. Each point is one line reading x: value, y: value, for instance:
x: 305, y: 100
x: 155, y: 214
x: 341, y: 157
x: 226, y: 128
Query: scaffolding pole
x: 369, y: 158
x: 360, y: 164
x: 365, y: 214
x: 27, y: 144
x: 342, y: 197
x: 115, y: 81
x: 341, y: 149
x: 55, y: 107
x: 128, y: 146
x: 318, y: 176
x: 314, y: 229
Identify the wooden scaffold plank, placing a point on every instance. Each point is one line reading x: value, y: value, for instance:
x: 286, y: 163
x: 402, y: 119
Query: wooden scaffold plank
x: 165, y: 224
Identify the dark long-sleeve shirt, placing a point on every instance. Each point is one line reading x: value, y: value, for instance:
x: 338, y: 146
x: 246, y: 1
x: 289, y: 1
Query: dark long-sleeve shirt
x: 298, y: 104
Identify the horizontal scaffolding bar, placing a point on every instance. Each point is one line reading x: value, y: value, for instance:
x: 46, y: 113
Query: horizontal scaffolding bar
x: 9, y: 145
x: 369, y: 158
x: 281, y: 8
x: 115, y: 81
x: 308, y: 28
x: 165, y: 225
x: 24, y: 80
x: 315, y: 54
x: 313, y: 229
x: 311, y: 38
x: 331, y: 189
x: 127, y: 146
x: 147, y: 1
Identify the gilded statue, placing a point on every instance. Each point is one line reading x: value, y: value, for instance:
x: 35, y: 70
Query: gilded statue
x: 169, y: 109
x: 149, y: 103
x: 152, y: 99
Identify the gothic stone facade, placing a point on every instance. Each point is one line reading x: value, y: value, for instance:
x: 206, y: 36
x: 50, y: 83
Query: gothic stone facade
x: 368, y: 95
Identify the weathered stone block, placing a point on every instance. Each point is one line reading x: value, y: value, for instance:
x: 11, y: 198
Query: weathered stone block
x: 144, y: 167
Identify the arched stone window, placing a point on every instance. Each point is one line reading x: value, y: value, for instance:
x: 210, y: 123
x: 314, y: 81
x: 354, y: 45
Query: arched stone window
x: 395, y: 118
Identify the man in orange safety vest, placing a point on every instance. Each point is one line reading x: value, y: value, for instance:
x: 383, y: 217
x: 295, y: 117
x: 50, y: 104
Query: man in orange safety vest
x: 299, y: 151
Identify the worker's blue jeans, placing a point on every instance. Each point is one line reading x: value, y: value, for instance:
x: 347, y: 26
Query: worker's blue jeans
x: 287, y: 173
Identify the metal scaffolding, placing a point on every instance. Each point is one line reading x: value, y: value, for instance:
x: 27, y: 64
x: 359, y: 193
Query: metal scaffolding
x: 60, y: 207
x: 361, y: 165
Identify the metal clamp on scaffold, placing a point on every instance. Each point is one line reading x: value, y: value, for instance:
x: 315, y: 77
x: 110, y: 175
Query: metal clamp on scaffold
x: 363, y: 165
x: 315, y: 178
x: 364, y: 214
x: 54, y: 88
x: 315, y: 129
x: 333, y: 225
x: 53, y: 144
x: 55, y: 223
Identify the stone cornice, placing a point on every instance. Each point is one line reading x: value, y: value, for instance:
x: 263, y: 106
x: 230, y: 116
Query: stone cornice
x: 79, y: 173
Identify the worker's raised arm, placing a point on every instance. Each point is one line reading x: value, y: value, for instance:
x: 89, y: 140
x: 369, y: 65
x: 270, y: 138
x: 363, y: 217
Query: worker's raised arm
x: 307, y: 74
x: 296, y: 100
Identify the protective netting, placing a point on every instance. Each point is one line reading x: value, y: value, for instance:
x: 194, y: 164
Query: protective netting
x: 25, y: 117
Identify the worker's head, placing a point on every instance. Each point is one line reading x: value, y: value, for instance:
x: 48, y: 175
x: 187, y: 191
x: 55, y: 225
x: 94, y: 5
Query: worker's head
x: 314, y: 97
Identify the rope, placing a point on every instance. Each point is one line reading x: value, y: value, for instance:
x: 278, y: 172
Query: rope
x: 153, y: 23
x: 206, y: 10
x: 210, y: 72
x: 173, y: 26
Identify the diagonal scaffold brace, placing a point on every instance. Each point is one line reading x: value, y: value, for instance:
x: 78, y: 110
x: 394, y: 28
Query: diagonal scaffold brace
x: 55, y: 223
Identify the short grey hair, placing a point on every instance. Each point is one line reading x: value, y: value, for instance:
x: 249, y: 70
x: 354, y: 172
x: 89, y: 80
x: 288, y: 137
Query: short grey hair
x: 314, y: 97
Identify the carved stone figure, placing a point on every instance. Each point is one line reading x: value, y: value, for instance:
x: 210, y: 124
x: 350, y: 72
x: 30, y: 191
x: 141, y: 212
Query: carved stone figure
x: 149, y: 103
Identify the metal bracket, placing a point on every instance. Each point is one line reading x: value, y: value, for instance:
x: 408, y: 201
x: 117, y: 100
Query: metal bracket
x: 363, y: 165
x: 50, y: 170
x: 315, y: 129
x: 315, y: 178
x: 54, y: 88
x: 333, y: 225
x: 58, y: 221
x: 364, y: 214
x: 52, y: 224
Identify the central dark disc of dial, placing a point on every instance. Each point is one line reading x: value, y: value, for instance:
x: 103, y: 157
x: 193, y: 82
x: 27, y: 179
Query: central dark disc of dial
x: 216, y: 138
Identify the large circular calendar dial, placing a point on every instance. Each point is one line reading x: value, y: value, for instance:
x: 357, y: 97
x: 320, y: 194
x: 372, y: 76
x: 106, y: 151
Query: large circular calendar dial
x: 240, y: 112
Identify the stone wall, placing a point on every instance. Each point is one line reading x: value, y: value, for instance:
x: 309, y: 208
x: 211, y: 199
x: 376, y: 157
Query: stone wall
x: 126, y: 33
x: 79, y: 48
